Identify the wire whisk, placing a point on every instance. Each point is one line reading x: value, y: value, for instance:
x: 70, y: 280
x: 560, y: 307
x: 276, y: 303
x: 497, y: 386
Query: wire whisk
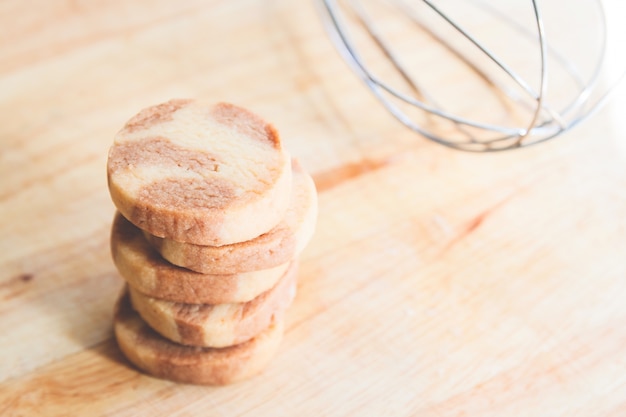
x: 516, y: 87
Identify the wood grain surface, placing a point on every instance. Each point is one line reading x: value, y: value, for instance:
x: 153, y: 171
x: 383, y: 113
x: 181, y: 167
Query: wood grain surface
x: 438, y: 283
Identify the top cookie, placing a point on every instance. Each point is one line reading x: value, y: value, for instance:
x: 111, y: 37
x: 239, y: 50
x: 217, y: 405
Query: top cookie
x: 200, y: 173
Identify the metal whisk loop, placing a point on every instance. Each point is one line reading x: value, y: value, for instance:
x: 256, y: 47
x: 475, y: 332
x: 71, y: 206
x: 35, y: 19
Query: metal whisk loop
x: 421, y: 111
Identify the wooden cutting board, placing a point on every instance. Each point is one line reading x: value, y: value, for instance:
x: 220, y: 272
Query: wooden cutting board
x: 438, y: 283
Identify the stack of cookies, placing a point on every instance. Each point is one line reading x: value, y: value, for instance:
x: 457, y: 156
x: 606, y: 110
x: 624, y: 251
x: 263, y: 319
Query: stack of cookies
x: 212, y: 215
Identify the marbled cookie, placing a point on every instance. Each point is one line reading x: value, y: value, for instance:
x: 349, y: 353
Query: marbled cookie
x: 216, y: 325
x: 156, y: 355
x: 200, y: 173
x: 146, y: 271
x: 279, y: 245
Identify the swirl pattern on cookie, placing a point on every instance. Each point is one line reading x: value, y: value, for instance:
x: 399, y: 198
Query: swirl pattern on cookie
x: 200, y: 173
x: 216, y: 325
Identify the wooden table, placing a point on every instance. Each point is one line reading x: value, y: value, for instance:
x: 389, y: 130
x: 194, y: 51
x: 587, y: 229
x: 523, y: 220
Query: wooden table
x: 439, y: 283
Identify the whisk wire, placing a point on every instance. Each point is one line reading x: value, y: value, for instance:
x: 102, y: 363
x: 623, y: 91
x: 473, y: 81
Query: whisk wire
x: 544, y: 121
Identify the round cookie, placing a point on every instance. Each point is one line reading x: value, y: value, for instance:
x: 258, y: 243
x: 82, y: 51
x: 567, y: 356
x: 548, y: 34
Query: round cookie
x: 200, y: 173
x: 157, y: 356
x: 216, y: 325
x: 146, y: 271
x: 273, y: 248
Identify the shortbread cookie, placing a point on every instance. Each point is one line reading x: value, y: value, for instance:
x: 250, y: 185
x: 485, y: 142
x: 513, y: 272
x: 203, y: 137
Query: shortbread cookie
x: 216, y: 325
x: 146, y: 271
x: 162, y: 358
x: 200, y: 173
x: 273, y: 248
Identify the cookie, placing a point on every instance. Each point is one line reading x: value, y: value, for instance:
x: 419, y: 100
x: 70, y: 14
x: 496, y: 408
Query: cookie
x: 157, y: 356
x: 273, y: 248
x: 146, y: 271
x: 216, y: 325
x: 200, y: 173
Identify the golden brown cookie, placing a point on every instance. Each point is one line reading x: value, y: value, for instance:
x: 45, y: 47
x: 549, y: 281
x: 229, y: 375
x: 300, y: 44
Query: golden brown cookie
x: 157, y: 356
x: 146, y: 271
x: 216, y: 325
x: 279, y: 245
x: 200, y: 173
